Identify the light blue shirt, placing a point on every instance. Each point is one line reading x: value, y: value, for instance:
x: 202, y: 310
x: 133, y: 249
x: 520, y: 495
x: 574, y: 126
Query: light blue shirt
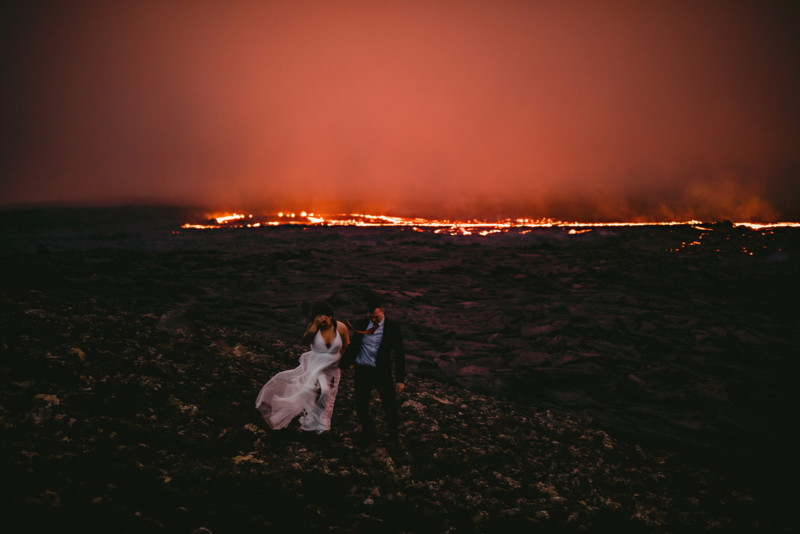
x: 369, y: 345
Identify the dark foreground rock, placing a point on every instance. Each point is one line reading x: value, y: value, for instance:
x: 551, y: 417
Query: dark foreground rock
x: 117, y: 421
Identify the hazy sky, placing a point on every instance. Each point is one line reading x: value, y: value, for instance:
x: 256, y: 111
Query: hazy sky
x: 574, y: 109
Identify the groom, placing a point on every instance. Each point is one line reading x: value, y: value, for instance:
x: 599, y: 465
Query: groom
x: 376, y: 340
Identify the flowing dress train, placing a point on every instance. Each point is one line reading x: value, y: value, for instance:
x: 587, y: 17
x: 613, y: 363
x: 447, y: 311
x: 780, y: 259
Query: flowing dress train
x: 308, y: 390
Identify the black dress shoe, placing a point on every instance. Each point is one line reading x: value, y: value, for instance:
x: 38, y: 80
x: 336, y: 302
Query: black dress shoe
x: 367, y: 441
x: 395, y: 443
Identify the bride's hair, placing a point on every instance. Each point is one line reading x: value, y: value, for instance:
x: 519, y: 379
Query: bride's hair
x: 322, y: 308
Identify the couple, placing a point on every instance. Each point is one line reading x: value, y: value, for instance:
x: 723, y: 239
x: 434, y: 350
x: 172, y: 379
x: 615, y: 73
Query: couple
x: 310, y: 389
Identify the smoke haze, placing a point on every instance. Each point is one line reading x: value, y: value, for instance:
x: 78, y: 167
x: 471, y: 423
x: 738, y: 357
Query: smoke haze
x: 615, y: 110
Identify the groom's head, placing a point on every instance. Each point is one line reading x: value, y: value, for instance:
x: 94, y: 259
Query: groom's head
x: 375, y: 309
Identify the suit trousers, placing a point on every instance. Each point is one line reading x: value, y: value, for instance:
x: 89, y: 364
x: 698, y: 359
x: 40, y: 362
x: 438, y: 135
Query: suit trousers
x: 366, y: 378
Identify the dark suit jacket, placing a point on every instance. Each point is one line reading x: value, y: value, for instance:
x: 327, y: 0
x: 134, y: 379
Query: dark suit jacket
x: 391, y: 346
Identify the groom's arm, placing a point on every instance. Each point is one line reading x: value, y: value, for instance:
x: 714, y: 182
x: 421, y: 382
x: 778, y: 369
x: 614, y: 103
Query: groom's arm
x: 399, y: 360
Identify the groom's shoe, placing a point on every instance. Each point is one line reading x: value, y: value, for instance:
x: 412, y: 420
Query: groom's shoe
x: 367, y: 441
x: 395, y: 443
x: 398, y: 451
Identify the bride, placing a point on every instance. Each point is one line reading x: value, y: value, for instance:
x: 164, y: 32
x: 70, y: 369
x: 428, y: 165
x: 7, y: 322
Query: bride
x: 310, y: 389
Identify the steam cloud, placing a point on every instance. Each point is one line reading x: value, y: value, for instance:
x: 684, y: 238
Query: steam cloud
x: 580, y: 110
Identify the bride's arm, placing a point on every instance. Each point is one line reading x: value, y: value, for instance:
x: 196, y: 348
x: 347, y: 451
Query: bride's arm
x: 345, y: 334
x: 312, y: 329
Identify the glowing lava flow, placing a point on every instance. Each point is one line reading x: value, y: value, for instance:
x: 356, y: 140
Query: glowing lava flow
x: 228, y: 218
x: 483, y: 228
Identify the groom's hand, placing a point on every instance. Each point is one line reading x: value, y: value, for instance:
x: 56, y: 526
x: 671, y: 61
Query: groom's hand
x: 399, y: 387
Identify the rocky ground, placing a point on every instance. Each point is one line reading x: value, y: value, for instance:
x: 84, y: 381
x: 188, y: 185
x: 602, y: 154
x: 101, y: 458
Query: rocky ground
x: 632, y: 380
x: 127, y: 422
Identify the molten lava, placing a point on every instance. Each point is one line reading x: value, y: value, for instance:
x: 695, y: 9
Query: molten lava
x: 446, y: 226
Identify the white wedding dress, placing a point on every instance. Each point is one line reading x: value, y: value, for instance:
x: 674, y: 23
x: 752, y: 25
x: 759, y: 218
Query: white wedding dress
x: 308, y: 390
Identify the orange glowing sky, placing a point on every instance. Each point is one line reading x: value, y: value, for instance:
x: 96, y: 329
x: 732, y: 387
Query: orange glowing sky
x: 568, y: 109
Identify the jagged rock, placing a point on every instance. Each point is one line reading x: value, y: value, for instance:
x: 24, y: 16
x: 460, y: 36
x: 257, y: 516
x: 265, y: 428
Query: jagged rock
x: 176, y: 322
